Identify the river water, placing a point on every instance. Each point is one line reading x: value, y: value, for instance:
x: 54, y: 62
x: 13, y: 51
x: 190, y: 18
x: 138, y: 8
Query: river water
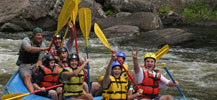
x: 193, y: 63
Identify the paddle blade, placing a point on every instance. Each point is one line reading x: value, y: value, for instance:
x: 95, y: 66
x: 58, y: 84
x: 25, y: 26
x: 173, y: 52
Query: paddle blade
x: 74, y: 11
x: 84, y: 15
x: 162, y: 51
x: 79, y: 1
x: 101, y: 36
x: 65, y: 14
x: 14, y: 96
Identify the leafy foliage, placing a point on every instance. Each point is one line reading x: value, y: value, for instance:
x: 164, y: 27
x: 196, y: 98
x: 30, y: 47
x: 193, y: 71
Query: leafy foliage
x: 109, y: 12
x: 198, y: 10
x: 166, y: 9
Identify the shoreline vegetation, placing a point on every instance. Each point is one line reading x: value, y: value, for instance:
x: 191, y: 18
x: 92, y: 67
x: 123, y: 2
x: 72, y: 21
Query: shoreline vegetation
x: 200, y: 10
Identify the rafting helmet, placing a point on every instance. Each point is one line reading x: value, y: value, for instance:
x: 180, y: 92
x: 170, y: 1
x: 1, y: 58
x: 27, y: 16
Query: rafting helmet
x: 49, y: 57
x: 59, y: 36
x: 61, y: 49
x: 121, y: 54
x: 150, y: 55
x: 115, y: 63
x: 73, y: 56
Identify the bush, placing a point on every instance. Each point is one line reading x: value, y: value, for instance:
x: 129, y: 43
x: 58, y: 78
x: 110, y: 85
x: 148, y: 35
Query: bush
x: 165, y: 9
x: 198, y: 10
x: 109, y: 12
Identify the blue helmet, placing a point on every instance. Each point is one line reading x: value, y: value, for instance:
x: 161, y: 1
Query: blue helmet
x: 121, y: 54
x: 115, y: 63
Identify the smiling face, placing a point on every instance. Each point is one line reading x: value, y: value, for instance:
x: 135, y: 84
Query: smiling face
x: 149, y: 63
x: 73, y: 63
x: 57, y: 42
x: 116, y: 71
x: 37, y: 38
x: 63, y: 56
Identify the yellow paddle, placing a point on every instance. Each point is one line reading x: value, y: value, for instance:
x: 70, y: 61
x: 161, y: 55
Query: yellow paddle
x: 85, y: 22
x: 72, y: 17
x: 79, y: 1
x: 63, y: 18
x: 62, y: 43
x: 103, y: 39
x: 162, y: 51
x: 84, y: 15
x: 18, y: 96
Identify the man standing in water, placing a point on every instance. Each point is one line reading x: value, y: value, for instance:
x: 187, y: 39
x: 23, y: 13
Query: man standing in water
x: 30, y: 56
x: 148, y: 78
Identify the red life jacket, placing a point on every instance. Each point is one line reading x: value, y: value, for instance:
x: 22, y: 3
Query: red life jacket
x: 85, y: 76
x: 53, y: 51
x: 150, y: 84
x: 50, y: 78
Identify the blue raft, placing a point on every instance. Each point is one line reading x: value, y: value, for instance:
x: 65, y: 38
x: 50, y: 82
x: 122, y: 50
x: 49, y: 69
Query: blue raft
x: 16, y: 85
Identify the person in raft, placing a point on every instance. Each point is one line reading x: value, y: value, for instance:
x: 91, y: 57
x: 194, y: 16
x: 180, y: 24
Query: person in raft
x: 96, y: 88
x: 47, y: 77
x: 149, y: 78
x: 30, y: 57
x: 73, y: 79
x: 114, y: 86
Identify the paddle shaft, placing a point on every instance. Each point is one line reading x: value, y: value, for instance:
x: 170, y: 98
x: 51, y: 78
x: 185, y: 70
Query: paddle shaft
x: 88, y: 71
x: 76, y: 44
x: 126, y: 71
x: 46, y: 88
x: 19, y: 96
x: 64, y: 37
x: 54, y: 38
x: 174, y: 81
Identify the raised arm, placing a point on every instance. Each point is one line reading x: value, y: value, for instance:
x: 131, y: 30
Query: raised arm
x: 106, y: 79
x: 135, y: 61
x: 66, y: 75
x: 72, y: 37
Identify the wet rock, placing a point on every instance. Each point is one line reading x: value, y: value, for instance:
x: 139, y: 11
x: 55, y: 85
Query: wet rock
x: 122, y: 14
x: 121, y: 30
x: 144, y: 20
x: 171, y: 18
x: 157, y: 38
x: 11, y: 27
x: 28, y: 14
x: 98, y: 11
